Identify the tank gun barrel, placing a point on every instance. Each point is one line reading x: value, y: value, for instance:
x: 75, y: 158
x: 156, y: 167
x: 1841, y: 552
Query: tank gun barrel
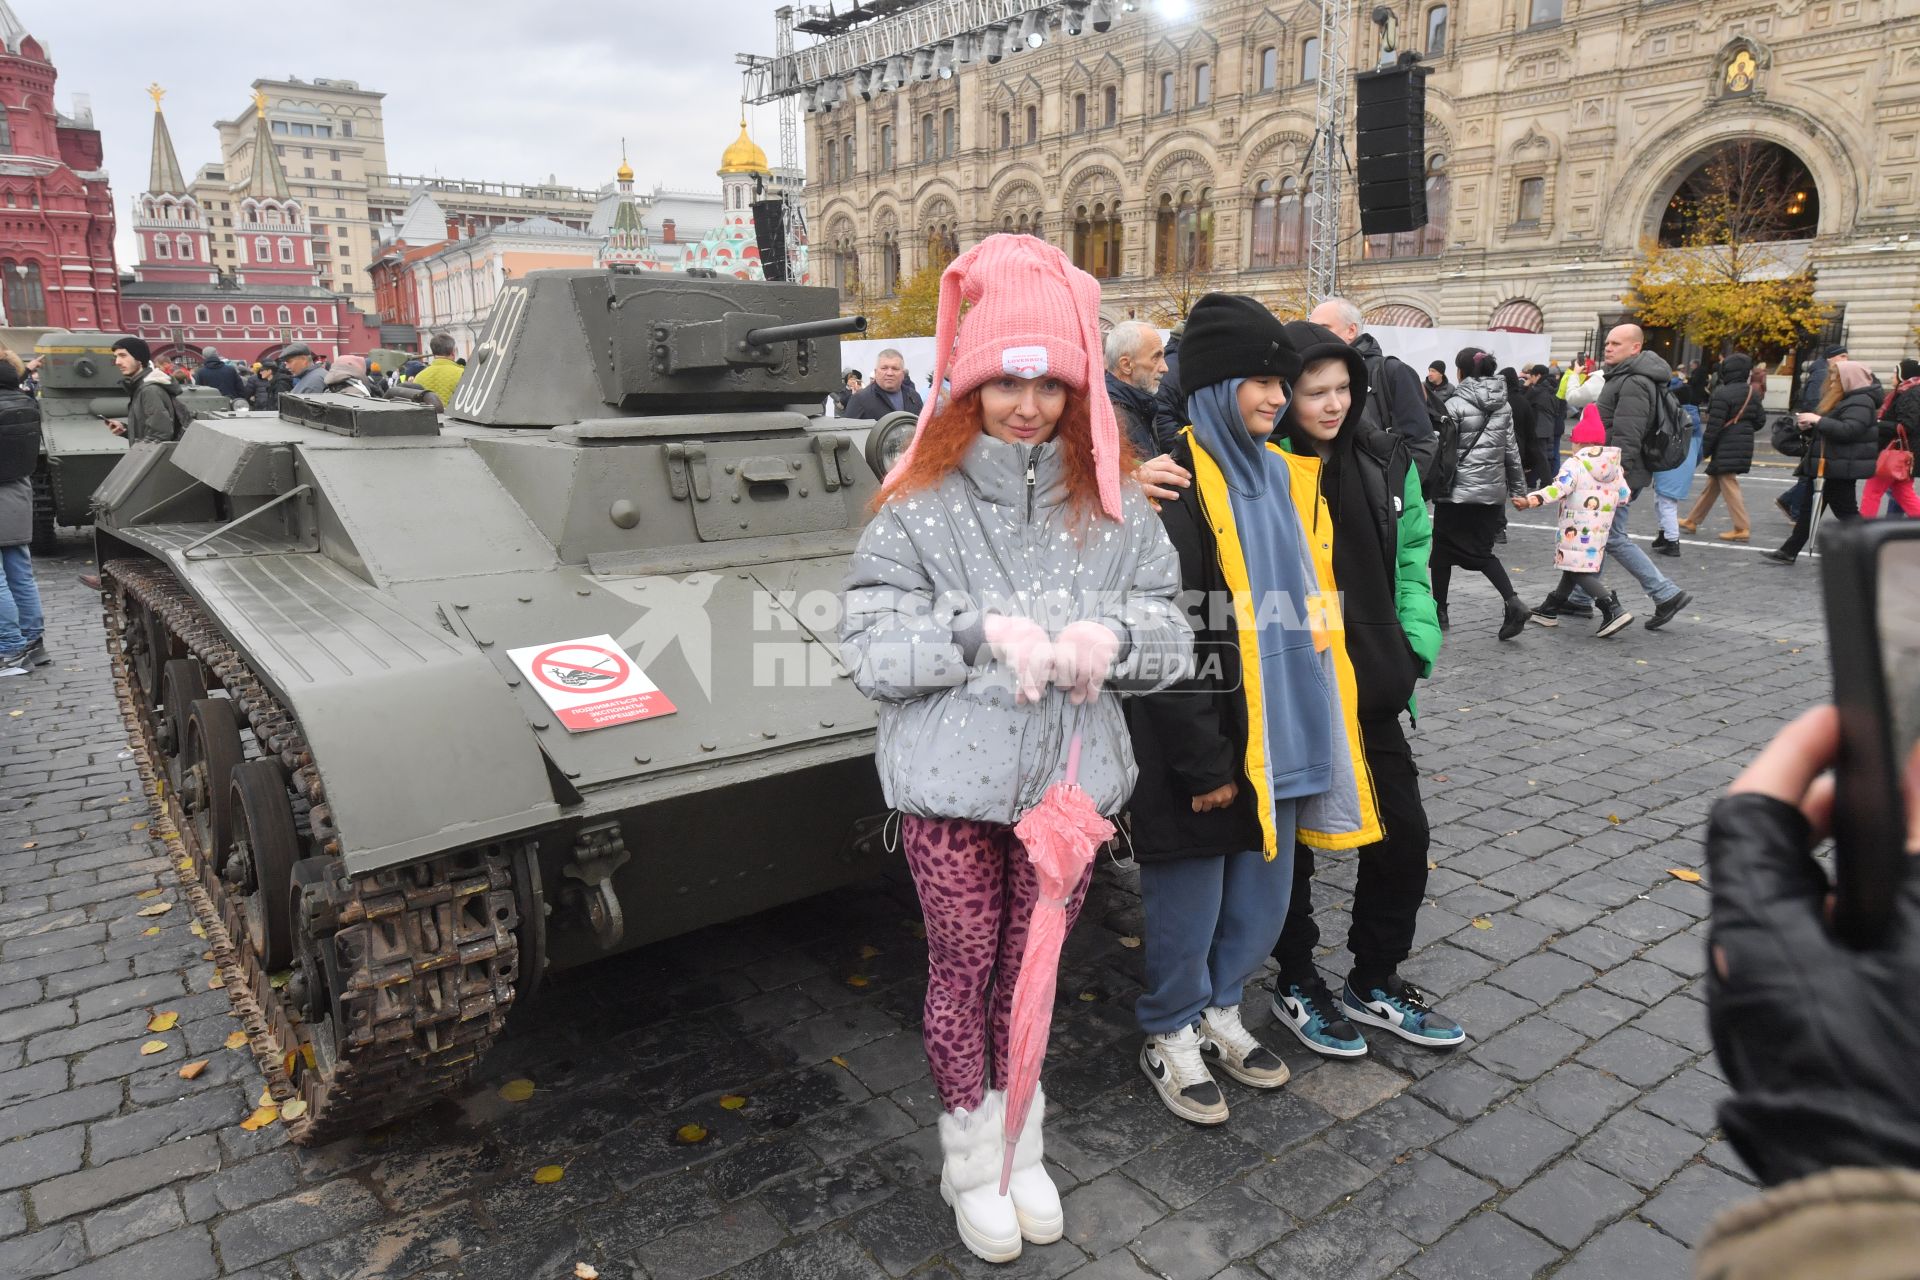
x: 838, y: 326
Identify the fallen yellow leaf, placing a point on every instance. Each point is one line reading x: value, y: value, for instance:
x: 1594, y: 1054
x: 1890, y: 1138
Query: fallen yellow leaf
x: 293, y: 1110
x: 157, y: 909
x: 193, y: 1069
x: 207, y: 954
x: 1481, y: 922
x: 279, y: 980
x: 856, y: 980
x: 1681, y: 873
x: 16, y: 714
x: 140, y: 825
x: 868, y: 953
x: 547, y: 1173
x: 585, y: 1271
x: 163, y: 1021
x: 197, y: 929
x: 266, y: 1099
x: 150, y: 931
x: 260, y: 1119
x: 732, y: 1101
x: 1088, y: 997
x: 837, y: 1060
x: 217, y: 981
x: 185, y: 864
x: 1614, y: 818
x: 287, y: 1060
x: 517, y: 1090
x: 148, y: 893
x: 1130, y: 942
x: 31, y: 844
x: 690, y: 1134
x: 152, y: 1047
x: 306, y: 1055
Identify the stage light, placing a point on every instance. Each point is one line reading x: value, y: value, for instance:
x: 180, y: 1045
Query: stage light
x: 1100, y: 13
x: 943, y: 61
x: 1033, y: 31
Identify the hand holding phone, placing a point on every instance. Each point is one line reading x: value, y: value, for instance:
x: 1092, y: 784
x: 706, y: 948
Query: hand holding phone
x: 1872, y: 581
x: 116, y: 426
x: 1807, y: 1028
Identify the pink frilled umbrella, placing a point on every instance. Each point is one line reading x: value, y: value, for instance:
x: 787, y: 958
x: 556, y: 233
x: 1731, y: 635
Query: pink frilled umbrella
x: 1059, y: 834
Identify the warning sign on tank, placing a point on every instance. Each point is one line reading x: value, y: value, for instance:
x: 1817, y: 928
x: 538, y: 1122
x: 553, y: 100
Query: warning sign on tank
x: 590, y: 683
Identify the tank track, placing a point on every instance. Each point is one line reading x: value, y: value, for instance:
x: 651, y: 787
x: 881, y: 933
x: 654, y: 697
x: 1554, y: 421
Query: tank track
x: 421, y: 961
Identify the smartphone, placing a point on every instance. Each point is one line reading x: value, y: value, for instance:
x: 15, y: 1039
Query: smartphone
x: 1872, y: 584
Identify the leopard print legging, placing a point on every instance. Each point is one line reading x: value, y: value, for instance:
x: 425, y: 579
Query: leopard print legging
x: 977, y: 890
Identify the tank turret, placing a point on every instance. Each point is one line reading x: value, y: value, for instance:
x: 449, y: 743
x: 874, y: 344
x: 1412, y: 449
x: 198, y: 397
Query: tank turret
x: 79, y: 390
x: 441, y: 704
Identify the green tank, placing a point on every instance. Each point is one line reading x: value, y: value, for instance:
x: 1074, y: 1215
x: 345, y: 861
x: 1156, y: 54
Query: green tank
x: 440, y: 705
x: 79, y: 390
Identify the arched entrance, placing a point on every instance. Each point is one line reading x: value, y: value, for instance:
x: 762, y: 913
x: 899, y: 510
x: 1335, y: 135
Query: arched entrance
x: 1744, y: 190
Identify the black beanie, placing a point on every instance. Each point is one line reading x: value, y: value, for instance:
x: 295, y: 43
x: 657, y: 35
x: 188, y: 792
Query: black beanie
x: 1316, y: 342
x: 137, y: 348
x: 1909, y: 369
x: 1230, y: 335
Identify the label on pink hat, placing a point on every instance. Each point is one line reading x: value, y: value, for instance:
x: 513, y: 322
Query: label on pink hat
x: 1024, y: 362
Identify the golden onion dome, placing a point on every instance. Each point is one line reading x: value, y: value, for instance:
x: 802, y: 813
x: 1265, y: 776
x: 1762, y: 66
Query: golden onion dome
x: 625, y: 172
x: 744, y: 156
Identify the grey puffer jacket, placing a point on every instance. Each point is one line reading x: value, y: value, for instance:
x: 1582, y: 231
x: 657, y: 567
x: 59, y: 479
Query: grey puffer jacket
x: 995, y: 536
x: 1490, y: 470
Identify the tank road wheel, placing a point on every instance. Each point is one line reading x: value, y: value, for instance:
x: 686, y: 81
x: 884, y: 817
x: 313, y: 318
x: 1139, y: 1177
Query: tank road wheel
x: 262, y: 847
x: 209, y: 754
x: 181, y: 685
x: 146, y: 650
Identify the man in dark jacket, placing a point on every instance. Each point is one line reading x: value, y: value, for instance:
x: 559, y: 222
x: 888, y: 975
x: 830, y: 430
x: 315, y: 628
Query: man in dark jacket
x: 1170, y: 408
x: 21, y: 619
x: 891, y: 390
x: 1549, y: 414
x: 221, y: 376
x: 309, y: 376
x: 1136, y: 362
x: 153, y: 409
x: 1395, y: 399
x: 1381, y: 540
x: 1437, y: 388
x: 1635, y: 380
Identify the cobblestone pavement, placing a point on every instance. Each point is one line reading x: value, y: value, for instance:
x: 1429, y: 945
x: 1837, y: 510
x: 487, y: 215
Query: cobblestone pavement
x: 1574, y: 1135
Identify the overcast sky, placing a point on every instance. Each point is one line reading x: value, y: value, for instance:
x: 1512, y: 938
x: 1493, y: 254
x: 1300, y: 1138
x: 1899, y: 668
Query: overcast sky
x: 493, y: 89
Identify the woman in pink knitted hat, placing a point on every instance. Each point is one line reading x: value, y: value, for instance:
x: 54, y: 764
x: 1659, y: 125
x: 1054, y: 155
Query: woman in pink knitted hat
x: 1009, y: 578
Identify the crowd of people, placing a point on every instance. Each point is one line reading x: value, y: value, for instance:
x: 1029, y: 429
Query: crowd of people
x: 1232, y: 530
x: 157, y: 413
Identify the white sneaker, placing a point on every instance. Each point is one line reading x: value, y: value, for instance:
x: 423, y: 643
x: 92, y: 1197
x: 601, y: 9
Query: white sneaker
x: 1226, y: 1043
x: 1036, y: 1201
x: 1173, y: 1063
x: 970, y: 1181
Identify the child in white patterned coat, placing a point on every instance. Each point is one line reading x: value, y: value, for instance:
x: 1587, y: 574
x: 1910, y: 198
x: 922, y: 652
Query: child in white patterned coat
x: 1591, y: 486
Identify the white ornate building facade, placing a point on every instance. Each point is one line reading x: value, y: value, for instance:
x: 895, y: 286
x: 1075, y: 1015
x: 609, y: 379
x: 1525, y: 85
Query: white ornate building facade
x: 1558, y: 133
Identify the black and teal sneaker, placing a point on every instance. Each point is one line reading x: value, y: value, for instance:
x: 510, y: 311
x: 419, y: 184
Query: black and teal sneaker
x: 1403, y: 1009
x: 1309, y: 1012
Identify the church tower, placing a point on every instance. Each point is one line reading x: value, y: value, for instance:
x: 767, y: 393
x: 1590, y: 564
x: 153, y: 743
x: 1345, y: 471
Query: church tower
x: 176, y: 238
x: 275, y: 241
x: 744, y: 172
x: 626, y: 244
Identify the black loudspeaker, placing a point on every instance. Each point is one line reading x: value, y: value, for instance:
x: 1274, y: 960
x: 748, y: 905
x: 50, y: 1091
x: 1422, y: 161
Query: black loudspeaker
x: 770, y: 232
x: 1390, y: 126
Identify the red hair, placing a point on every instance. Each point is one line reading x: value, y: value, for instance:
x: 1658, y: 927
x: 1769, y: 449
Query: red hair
x: 952, y: 430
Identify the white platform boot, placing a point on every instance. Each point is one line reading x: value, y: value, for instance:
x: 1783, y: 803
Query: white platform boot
x: 970, y: 1180
x: 1036, y: 1201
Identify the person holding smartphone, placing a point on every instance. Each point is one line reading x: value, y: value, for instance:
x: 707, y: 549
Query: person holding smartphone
x: 1816, y: 1037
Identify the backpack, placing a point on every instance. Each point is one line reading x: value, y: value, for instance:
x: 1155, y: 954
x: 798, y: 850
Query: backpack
x: 1670, y: 433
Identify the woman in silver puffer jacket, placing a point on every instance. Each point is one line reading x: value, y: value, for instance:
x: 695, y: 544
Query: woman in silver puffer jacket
x: 1469, y: 515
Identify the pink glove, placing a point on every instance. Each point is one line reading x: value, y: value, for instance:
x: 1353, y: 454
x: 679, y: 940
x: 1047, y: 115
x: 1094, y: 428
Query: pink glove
x: 1023, y: 646
x: 1083, y: 658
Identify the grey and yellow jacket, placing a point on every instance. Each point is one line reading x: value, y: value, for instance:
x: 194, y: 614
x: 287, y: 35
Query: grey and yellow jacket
x: 997, y: 536
x: 1490, y: 470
